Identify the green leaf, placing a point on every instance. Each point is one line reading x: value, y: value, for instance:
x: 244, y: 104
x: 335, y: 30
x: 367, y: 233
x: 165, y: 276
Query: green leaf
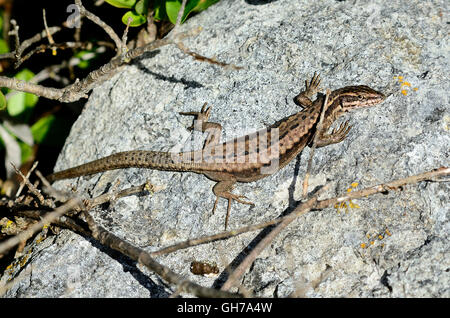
x: 41, y: 128
x: 2, y: 101
x: 20, y: 101
x: 204, y: 4
x: 85, y: 56
x: 4, y: 47
x: 159, y: 10
x: 122, y: 3
x: 1, y: 22
x: 50, y: 130
x: 138, y: 19
x: 141, y: 7
x: 173, y: 6
x: 26, y: 151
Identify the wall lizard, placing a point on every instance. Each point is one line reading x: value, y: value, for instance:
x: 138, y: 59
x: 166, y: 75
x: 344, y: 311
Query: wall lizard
x: 244, y: 159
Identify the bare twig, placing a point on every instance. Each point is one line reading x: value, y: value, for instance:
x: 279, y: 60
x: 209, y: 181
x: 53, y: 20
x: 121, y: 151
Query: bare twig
x: 79, y: 89
x: 180, y: 14
x: 202, y: 58
x: 313, y: 203
x: 48, y: 218
x: 321, y: 204
x: 49, y: 35
x: 55, y: 46
x: 224, y: 235
x: 124, y: 36
x: 385, y: 187
x: 138, y: 254
x: 100, y: 23
x: 15, y: 32
x: 313, y: 147
x: 20, y: 48
x: 26, y: 178
x: 30, y: 186
x: 107, y: 197
x: 250, y: 258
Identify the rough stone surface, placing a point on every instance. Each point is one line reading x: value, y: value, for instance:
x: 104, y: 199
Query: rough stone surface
x: 279, y: 44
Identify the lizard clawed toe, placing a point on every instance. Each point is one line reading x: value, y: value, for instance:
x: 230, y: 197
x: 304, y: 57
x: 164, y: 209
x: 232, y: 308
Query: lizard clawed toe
x: 314, y: 83
x: 201, y: 117
x: 342, y: 131
x: 304, y: 98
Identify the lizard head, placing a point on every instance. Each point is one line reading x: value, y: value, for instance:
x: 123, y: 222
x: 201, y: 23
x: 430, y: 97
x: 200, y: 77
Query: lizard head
x: 361, y: 96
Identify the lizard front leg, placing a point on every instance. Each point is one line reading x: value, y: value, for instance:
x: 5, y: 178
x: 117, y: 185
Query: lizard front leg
x: 202, y: 124
x: 304, y: 98
x: 336, y: 136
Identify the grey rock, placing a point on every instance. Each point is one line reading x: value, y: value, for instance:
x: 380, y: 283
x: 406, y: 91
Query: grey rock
x: 279, y: 44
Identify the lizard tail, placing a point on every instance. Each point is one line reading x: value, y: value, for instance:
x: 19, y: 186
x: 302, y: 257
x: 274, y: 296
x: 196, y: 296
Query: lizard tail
x: 128, y: 159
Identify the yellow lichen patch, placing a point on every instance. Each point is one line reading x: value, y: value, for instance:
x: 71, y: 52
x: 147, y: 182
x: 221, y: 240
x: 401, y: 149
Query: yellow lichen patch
x: 372, y: 239
x: 340, y: 206
x: 404, y: 85
x: 351, y: 205
x: 8, y: 224
x: 24, y: 260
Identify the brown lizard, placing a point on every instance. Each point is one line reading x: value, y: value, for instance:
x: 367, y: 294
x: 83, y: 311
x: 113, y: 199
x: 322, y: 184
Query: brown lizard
x: 251, y: 157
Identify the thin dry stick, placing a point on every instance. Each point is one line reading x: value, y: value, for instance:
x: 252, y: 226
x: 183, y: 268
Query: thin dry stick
x: 22, y: 184
x: 22, y: 275
x: 20, y: 48
x: 180, y: 14
x: 49, y: 35
x: 222, y: 235
x: 62, y: 222
x: 313, y: 203
x: 15, y: 32
x: 313, y: 147
x: 138, y: 254
x: 250, y: 258
x: 79, y: 89
x: 125, y: 35
x: 100, y: 23
x: 385, y: 187
x: 321, y: 204
x: 47, y: 219
x: 202, y: 58
x: 30, y: 186
x: 107, y: 197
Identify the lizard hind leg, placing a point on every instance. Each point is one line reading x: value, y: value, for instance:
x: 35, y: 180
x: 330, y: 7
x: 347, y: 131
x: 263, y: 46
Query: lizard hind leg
x: 222, y: 190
